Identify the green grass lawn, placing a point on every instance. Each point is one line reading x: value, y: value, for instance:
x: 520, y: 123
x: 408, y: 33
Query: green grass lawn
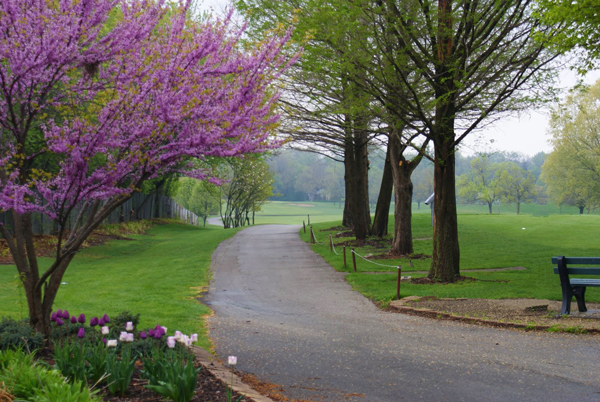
x: 158, y: 275
x: 486, y: 241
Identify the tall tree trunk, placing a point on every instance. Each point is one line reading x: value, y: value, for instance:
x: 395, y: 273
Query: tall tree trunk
x: 361, y: 216
x: 382, y: 210
x: 490, y: 207
x: 348, y: 182
x: 445, y: 263
x: 403, y: 192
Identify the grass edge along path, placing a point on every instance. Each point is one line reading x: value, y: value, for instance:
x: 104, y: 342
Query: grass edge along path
x: 486, y: 241
x: 159, y: 275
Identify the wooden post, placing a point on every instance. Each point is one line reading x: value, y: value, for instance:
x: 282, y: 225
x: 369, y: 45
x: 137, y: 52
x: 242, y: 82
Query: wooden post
x: 309, y: 219
x: 312, y: 236
x: 344, y: 248
x: 304, y: 226
x: 354, y: 260
x: 398, y: 285
x: 330, y: 244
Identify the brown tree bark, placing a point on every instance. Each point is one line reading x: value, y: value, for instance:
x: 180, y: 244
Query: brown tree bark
x: 382, y: 210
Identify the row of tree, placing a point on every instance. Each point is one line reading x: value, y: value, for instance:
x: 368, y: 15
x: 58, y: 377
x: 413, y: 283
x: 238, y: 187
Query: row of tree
x: 408, y: 75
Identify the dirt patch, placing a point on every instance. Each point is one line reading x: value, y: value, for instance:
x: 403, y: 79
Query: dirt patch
x: 528, y: 314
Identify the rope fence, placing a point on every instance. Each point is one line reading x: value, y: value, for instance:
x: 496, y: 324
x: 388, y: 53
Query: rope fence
x: 373, y: 262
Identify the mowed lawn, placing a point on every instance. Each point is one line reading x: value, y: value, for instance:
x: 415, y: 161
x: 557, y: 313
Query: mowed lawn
x: 159, y: 275
x: 486, y: 241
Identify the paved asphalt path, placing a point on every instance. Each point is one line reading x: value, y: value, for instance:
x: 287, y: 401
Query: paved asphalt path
x: 293, y: 321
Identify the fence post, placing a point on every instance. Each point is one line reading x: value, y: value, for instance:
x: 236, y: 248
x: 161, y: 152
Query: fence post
x: 312, y: 236
x: 304, y: 226
x: 398, y: 285
x: 344, y: 248
x: 309, y: 220
x: 354, y: 259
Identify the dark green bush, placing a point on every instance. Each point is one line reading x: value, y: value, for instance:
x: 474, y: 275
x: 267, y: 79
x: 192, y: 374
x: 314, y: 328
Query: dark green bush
x: 18, y: 334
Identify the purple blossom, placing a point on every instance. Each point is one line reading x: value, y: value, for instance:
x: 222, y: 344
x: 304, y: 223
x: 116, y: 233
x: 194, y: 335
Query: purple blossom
x: 104, y: 340
x: 59, y: 322
x: 59, y: 313
x: 151, y: 333
x: 73, y: 320
x: 81, y: 319
x: 53, y: 317
x: 66, y: 314
x: 143, y: 334
x: 158, y: 334
x: 106, y: 319
x: 94, y: 321
x: 81, y: 333
x: 101, y: 322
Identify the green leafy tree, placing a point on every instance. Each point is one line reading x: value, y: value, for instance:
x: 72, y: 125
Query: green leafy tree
x: 515, y: 184
x: 572, y: 170
x: 481, y: 184
x: 200, y: 197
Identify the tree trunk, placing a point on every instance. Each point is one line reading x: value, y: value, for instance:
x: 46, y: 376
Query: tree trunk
x: 349, y: 185
x: 581, y: 209
x: 403, y: 192
x: 361, y: 218
x: 490, y: 207
x: 518, y: 208
x: 445, y: 265
x: 382, y: 210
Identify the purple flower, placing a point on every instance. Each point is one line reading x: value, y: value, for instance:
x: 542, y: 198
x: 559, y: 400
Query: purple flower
x: 143, y: 334
x: 151, y: 333
x: 59, y: 322
x: 101, y: 322
x: 158, y: 334
x: 106, y: 319
x: 104, y: 340
x: 66, y: 315
x: 59, y: 313
x: 94, y: 322
x: 81, y: 333
x: 73, y: 320
x: 53, y: 317
x: 81, y: 319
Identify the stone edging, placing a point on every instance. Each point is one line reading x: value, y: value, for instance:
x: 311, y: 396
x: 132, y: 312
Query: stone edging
x: 399, y: 306
x: 220, y: 371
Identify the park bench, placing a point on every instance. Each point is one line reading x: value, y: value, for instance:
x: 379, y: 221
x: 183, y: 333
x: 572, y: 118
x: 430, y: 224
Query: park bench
x: 575, y: 286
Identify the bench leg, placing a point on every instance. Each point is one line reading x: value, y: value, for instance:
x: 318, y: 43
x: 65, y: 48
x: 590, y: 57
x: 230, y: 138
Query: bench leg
x: 567, y: 293
x: 579, y: 294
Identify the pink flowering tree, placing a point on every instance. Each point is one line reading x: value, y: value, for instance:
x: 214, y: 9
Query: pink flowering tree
x: 97, y: 96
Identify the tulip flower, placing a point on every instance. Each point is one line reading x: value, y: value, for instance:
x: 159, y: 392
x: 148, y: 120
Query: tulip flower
x: 151, y: 333
x: 73, y: 320
x: 158, y: 334
x: 94, y: 321
x: 232, y: 360
x: 105, y: 330
x: 123, y: 336
x: 66, y: 314
x: 59, y: 313
x: 103, y: 340
x: 178, y: 335
x: 129, y: 338
x: 129, y: 326
x: 53, y: 317
x: 143, y: 335
x: 106, y: 319
x: 194, y: 337
x: 171, y: 342
x: 81, y: 333
x: 59, y: 322
x: 111, y: 343
x: 81, y: 319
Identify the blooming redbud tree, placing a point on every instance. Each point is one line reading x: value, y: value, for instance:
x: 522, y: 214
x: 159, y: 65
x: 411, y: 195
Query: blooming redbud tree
x: 97, y: 96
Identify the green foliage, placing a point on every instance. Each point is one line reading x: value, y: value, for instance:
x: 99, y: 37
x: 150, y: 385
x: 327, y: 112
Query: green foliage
x: 29, y: 380
x: 96, y: 357
x: 121, y: 320
x: 119, y: 371
x: 200, y: 197
x: 572, y: 170
x: 171, y: 374
x: 70, y: 359
x: 18, y: 334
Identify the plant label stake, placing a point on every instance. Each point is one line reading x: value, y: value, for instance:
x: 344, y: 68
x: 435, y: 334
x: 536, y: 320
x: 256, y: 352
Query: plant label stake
x: 398, y: 285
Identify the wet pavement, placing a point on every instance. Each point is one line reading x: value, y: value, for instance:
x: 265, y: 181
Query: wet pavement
x: 294, y: 321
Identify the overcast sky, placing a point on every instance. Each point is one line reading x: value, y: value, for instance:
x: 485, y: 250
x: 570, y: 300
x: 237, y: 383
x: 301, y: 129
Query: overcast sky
x: 527, y: 133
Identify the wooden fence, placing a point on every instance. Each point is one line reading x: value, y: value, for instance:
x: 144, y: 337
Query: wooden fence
x: 138, y: 207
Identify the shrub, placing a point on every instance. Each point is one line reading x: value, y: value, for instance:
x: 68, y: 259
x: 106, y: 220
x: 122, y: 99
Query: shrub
x: 171, y: 374
x: 18, y: 334
x: 26, y: 379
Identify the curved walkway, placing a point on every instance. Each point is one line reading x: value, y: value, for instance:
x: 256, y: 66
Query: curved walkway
x: 293, y: 321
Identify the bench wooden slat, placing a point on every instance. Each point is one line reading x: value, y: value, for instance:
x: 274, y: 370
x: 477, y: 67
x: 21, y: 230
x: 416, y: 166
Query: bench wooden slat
x: 581, y: 270
x: 579, y: 260
x: 585, y: 281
